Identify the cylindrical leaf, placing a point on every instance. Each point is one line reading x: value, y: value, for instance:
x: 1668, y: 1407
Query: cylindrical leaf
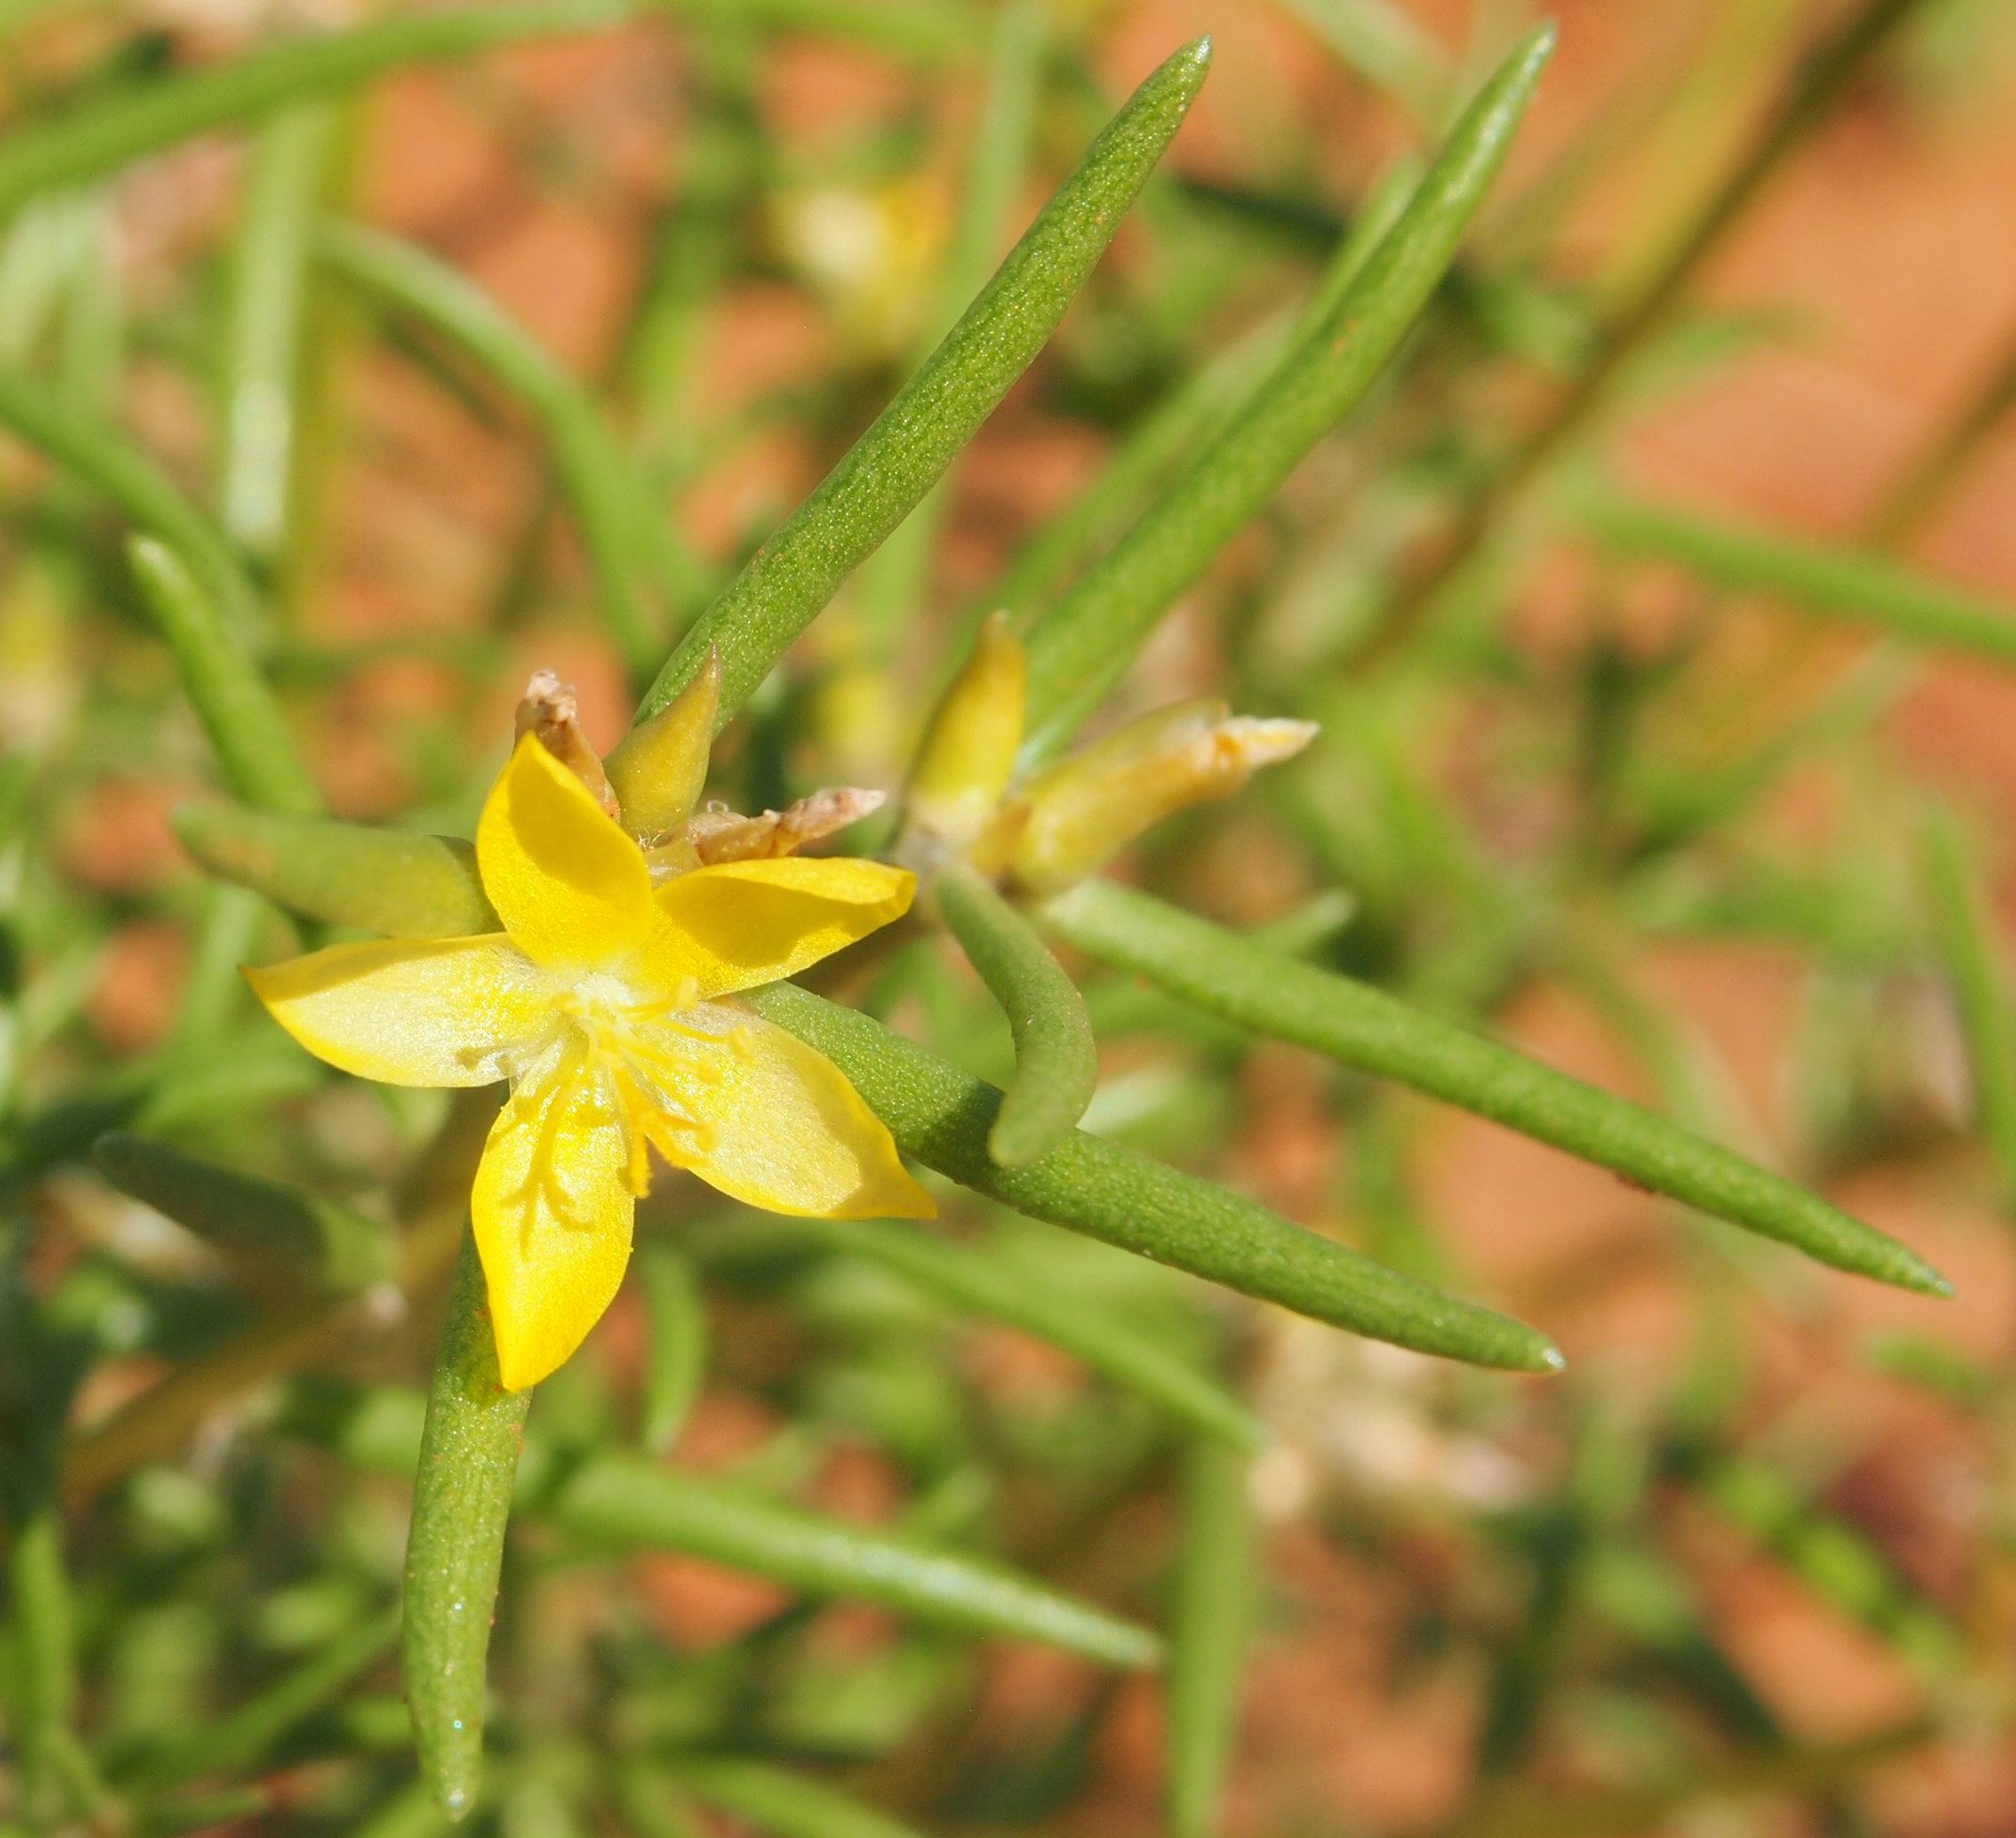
x: 1057, y: 1059
x: 942, y: 1116
x: 390, y: 881
x: 977, y: 1277
x: 887, y: 471
x: 677, y: 1359
x: 1207, y: 1640
x: 787, y: 1806
x: 112, y: 465
x: 231, y: 698
x: 1078, y: 651
x: 87, y: 142
x: 1854, y: 584
x: 1365, y: 1027
x: 630, y: 1501
x: 1967, y: 943
x: 627, y: 537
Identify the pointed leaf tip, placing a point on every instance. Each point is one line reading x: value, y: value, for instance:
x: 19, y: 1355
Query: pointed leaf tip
x: 1920, y: 1276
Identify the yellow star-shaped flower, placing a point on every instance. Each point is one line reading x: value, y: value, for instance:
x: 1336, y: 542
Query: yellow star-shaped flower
x: 600, y: 1001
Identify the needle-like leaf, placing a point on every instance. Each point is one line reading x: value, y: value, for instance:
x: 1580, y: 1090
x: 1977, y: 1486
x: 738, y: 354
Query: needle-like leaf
x: 906, y: 451
x: 111, y: 465
x: 1078, y: 651
x: 1057, y: 1059
x: 788, y: 1805
x: 239, y: 1740
x: 281, y: 1239
x: 979, y: 1279
x: 677, y: 1359
x: 628, y: 1501
x: 943, y: 1116
x: 232, y: 700
x: 1362, y: 1027
x: 1210, y: 1623
x: 1966, y: 941
x: 85, y: 143
x: 1844, y: 581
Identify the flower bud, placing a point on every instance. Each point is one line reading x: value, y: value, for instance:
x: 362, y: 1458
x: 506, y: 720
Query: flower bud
x: 968, y: 752
x: 1084, y: 810
x: 659, y: 767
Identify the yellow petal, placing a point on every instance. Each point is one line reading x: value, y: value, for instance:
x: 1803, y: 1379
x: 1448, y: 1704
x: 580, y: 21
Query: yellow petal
x: 779, y: 1127
x: 571, y: 888
x: 742, y: 923
x: 434, y: 1013
x: 553, y: 1217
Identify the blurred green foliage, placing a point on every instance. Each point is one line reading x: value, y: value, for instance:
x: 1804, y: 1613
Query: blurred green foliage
x: 925, y: 1451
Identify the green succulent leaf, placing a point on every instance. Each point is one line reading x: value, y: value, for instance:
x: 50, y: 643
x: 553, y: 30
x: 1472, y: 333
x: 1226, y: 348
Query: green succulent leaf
x: 944, y: 1117
x: 1365, y: 1027
x: 885, y: 475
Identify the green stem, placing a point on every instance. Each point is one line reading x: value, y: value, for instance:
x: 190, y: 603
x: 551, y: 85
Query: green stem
x: 84, y: 144
x: 461, y: 1500
x: 1367, y: 1028
x: 906, y: 450
x: 1082, y: 648
x: 1057, y: 1058
x: 941, y: 1117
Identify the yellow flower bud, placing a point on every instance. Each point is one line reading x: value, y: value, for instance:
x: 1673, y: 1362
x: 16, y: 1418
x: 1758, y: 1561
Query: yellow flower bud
x: 1084, y: 811
x: 659, y: 767
x: 968, y: 755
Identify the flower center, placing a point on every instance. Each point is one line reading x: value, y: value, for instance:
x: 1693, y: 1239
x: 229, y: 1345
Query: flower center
x: 650, y: 1063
